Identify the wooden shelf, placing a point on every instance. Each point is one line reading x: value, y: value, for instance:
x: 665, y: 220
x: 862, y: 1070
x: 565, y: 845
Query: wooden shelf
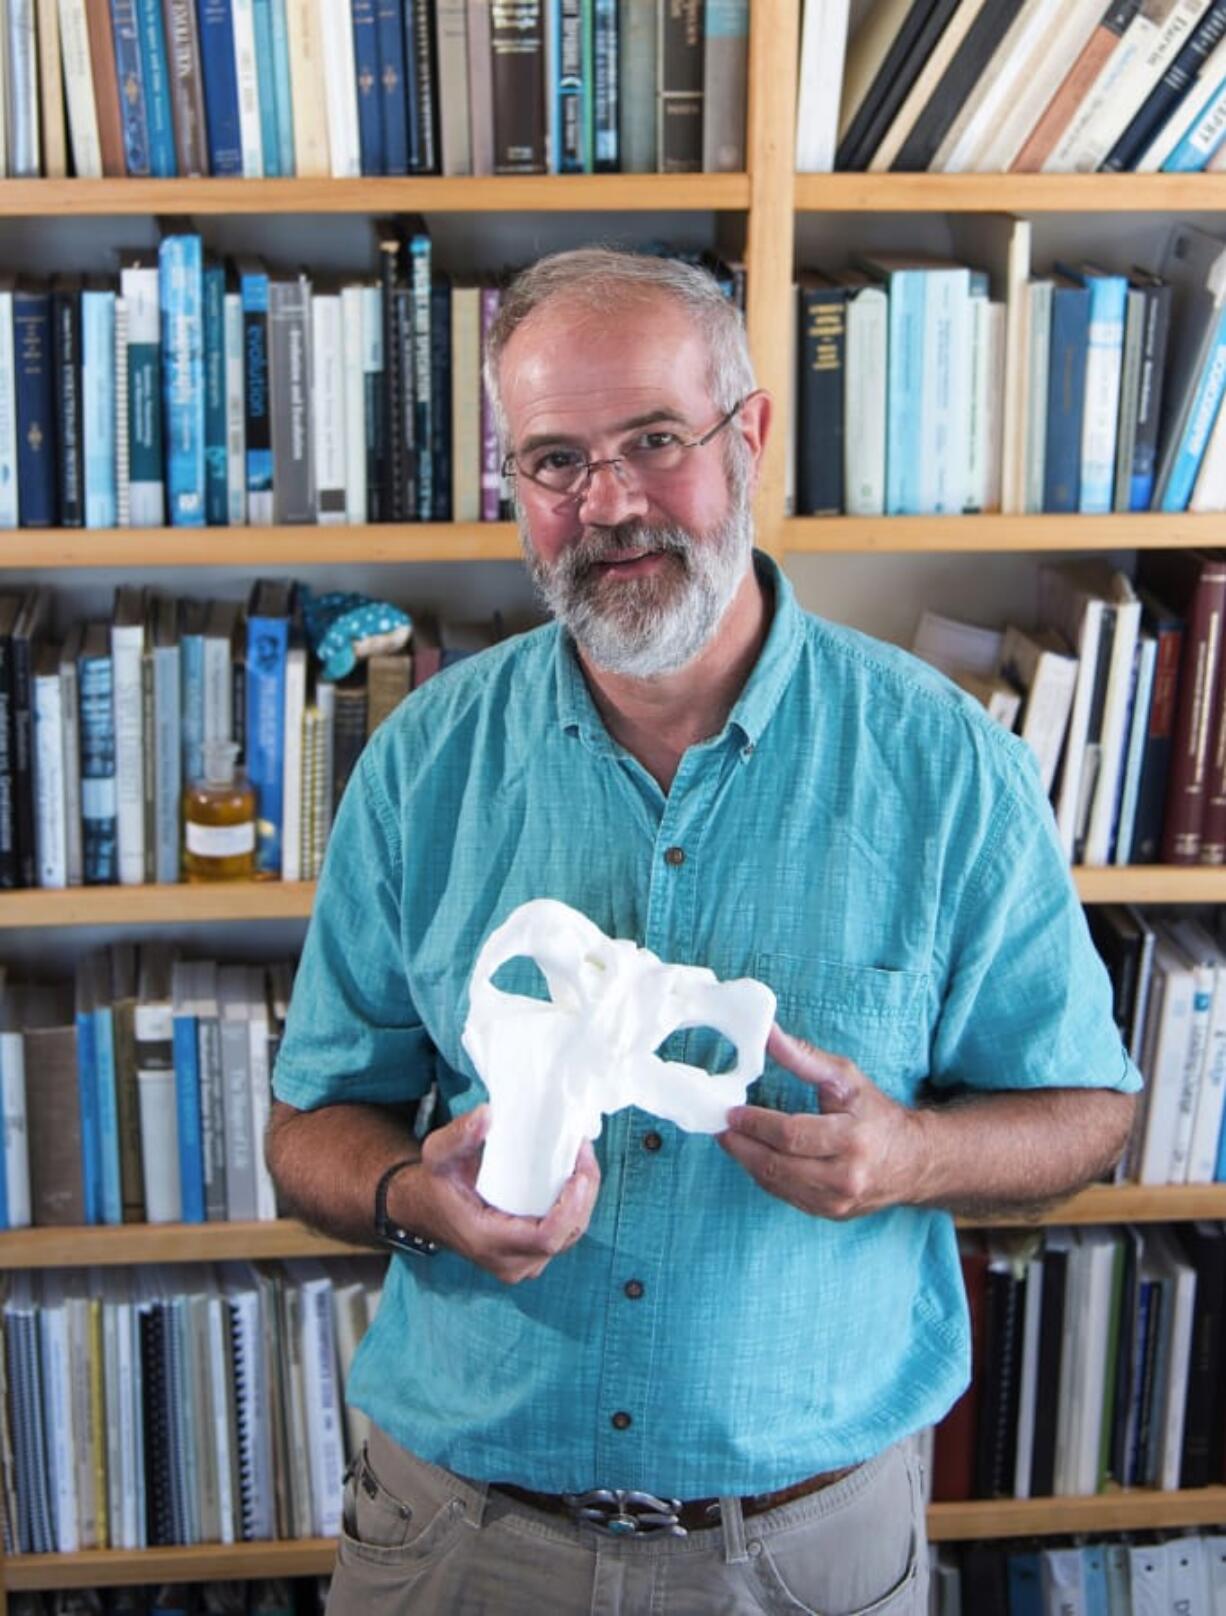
x: 1010, y: 193
x: 521, y: 193
x: 129, y: 1244
x: 195, y: 904
x: 886, y: 535
x: 54, y: 549
x: 205, y: 1562
x: 1115, y: 1203
x: 1119, y: 1510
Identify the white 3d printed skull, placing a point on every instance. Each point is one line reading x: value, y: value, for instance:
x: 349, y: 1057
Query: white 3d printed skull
x: 552, y: 1068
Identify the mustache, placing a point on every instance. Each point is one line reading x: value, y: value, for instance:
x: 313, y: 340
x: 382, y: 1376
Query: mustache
x: 598, y: 544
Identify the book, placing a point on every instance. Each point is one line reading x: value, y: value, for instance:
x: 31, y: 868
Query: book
x: 34, y: 383
x: 1046, y: 672
x: 895, y: 72
x: 1170, y: 91
x: 820, y: 396
x: 823, y: 41
x: 1066, y: 392
x: 181, y: 287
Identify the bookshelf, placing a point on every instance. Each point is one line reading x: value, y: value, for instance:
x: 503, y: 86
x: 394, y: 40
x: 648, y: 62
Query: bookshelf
x: 765, y: 202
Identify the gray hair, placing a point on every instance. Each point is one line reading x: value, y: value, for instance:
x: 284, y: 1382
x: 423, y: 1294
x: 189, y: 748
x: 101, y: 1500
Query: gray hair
x: 594, y: 277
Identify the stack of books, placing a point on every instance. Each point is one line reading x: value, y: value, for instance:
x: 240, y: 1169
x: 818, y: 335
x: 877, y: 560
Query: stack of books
x: 1177, y: 1571
x: 346, y: 88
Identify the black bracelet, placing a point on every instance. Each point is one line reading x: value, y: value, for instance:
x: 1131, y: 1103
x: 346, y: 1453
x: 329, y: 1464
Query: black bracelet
x: 392, y: 1234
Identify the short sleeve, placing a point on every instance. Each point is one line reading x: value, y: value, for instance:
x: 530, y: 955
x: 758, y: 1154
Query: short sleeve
x: 352, y: 1033
x: 1027, y: 1001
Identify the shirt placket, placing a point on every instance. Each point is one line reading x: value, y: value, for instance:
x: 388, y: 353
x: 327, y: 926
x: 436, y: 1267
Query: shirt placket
x: 628, y: 1435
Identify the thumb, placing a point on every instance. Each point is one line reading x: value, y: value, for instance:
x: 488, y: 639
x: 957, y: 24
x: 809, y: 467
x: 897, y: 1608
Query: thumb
x: 830, y: 1074
x: 461, y: 1138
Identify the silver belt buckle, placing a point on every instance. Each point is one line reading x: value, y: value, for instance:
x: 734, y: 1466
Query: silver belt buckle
x: 623, y: 1513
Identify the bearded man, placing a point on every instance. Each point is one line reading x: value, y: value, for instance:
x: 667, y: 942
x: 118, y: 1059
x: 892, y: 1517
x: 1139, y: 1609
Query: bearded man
x: 706, y: 1398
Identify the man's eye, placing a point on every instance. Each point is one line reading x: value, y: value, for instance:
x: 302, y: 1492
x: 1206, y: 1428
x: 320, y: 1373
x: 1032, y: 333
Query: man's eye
x: 653, y: 442
x: 555, y: 460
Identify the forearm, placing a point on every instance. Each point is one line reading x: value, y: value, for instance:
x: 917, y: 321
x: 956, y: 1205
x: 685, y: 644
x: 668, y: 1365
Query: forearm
x: 1018, y: 1150
x: 326, y: 1163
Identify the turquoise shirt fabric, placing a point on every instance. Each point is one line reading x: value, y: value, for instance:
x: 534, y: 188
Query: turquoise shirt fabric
x: 860, y: 836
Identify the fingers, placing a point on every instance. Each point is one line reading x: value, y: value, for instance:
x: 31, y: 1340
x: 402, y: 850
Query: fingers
x: 835, y: 1077
x: 791, y: 1133
x: 835, y: 1187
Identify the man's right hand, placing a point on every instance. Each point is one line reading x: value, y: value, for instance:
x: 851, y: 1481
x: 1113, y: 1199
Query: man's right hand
x: 438, y: 1198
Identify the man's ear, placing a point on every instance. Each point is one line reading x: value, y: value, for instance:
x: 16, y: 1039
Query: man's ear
x: 754, y: 424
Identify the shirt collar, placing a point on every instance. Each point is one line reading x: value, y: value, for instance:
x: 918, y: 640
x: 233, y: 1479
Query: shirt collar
x: 754, y: 707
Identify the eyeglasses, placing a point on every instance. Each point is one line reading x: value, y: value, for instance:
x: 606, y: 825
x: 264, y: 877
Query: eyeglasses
x: 652, y: 455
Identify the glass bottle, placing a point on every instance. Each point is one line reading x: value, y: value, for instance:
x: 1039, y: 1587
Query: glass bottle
x: 219, y: 819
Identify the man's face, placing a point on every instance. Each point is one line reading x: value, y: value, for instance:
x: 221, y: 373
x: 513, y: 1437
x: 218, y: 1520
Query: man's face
x: 639, y: 566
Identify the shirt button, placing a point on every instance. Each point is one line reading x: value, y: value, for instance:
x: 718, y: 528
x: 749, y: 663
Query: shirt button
x: 674, y: 856
x: 621, y: 1420
x: 634, y: 1289
x: 652, y: 1140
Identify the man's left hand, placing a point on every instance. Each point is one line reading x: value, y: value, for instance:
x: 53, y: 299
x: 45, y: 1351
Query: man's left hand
x: 861, y: 1153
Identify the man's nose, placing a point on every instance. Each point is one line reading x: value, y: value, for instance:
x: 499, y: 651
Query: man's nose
x: 612, y: 495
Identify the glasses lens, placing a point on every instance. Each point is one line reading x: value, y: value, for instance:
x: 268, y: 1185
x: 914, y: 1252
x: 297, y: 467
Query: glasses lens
x: 559, y: 469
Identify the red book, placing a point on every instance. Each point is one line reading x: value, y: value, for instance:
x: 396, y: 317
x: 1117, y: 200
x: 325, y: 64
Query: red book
x: 953, y: 1454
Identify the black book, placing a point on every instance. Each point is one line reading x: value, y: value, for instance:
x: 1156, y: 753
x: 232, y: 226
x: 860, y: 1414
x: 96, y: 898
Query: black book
x: 822, y: 359
x: 985, y: 1580
x: 996, y: 1434
x: 1155, y: 335
x: 405, y: 358
x: 70, y: 449
x: 1163, y: 101
x: 924, y: 25
x: 391, y: 469
x: 421, y: 76
x: 155, y: 1409
x: 1047, y: 1389
x: 440, y: 386
x: 1201, y: 1460
x: 1119, y: 941
x: 956, y: 83
x: 1126, y: 1356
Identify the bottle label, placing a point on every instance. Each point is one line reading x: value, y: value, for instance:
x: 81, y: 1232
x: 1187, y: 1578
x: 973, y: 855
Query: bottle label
x: 220, y: 841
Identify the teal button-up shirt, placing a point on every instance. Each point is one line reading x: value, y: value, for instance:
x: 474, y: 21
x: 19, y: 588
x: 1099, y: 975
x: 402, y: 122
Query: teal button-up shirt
x: 860, y: 836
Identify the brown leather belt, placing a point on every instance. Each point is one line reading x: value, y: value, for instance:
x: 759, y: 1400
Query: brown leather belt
x: 626, y: 1513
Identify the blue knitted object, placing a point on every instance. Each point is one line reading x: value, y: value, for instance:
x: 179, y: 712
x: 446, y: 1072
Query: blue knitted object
x: 344, y: 627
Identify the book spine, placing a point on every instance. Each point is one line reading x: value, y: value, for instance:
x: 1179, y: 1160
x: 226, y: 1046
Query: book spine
x: 440, y: 399
x: 391, y: 503
x: 1104, y: 358
x: 679, y: 112
x: 146, y: 493
x: 111, y: 1191
x: 35, y: 393
x: 50, y: 817
x: 328, y: 410
x: 21, y: 717
x: 236, y: 435
x: 51, y: 92
x: 187, y: 1115
x: 106, y: 87
x: 480, y: 87
x: 8, y: 810
x: 340, y: 82
x: 1125, y: 829
x: 267, y: 645
x: 943, y: 430
x: 455, y: 142
x: 568, y: 87
x: 517, y: 52
x: 491, y: 468
x: 25, y: 158
x: 637, y: 44
x: 181, y: 286
x: 99, y: 843
x: 98, y: 406
x: 168, y: 760
x: 406, y: 377
x: 725, y: 91
x: 1202, y: 137
x: 366, y: 78
x: 186, y: 90
x: 422, y: 76
x: 9, y: 512
x: 374, y: 402
x: 1066, y: 382
x: 865, y: 403
x: 266, y: 87
x: 70, y: 465
x: 134, y: 113
x: 904, y: 392
x: 423, y: 401
x: 1149, y: 406
x: 130, y: 741
x: 605, y: 86
x: 70, y: 705
x: 1187, y: 787
x: 389, y: 31
x: 257, y: 417
x: 148, y: 719
x: 1163, y: 101
x: 123, y: 444
x: 820, y: 394
x: 216, y: 22
x: 155, y: 75
x: 1206, y: 399
x: 216, y: 487
x: 247, y: 88
x: 79, y: 91
x: 293, y: 490
x: 353, y: 402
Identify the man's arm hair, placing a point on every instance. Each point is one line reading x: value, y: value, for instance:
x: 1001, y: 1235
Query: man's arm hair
x: 326, y: 1163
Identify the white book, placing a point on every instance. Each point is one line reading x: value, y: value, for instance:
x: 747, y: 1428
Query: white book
x: 455, y: 138
x: 5, y: 93
x: 317, y: 1346
x: 1188, y: 1574
x: 1209, y: 489
x: 250, y: 137
x: 1215, y: 1558
x: 978, y: 448
x: 465, y: 403
x: 57, y: 1409
x: 943, y: 464
x: 1028, y: 1385
x: 1170, y: 1020
x: 994, y: 410
x: 70, y: 714
x: 1067, y: 1241
x: 1038, y: 329
x: 50, y: 823
x: 258, y: 1031
x: 864, y: 401
x: 240, y: 1136
x: 127, y: 648
x: 1205, y: 1088
x: 248, y: 1331
x: 221, y: 1397
x: 159, y: 1141
x: 1067, y: 604
x: 1062, y: 1582
x: 123, y: 443
x: 311, y: 157
x: 1148, y: 46
x: 86, y: 1434
x: 349, y: 1310
x: 1182, y: 1293
x: 1037, y: 81
x: 13, y: 1118
x: 138, y: 284
x: 79, y: 91
x: 1039, y: 666
x: 1187, y: 113
x: 327, y: 411
x: 8, y: 410
x: 340, y: 87
x: 952, y: 646
x: 823, y: 46
x: 126, y: 1408
x: 995, y: 92
x: 291, y: 780
x: 352, y: 299
x: 1117, y: 589
x: 1150, y: 1589
x: 236, y: 426
x: 1101, y: 1249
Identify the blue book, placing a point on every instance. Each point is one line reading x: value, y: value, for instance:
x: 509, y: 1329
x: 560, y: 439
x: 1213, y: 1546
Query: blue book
x: 1104, y: 360
x: 108, y: 1111
x: 905, y: 384
x: 98, y: 406
x: 87, y: 1094
x: 181, y: 269
x: 1066, y: 391
x: 1198, y: 424
x: 604, y: 96
x: 216, y: 26
x: 565, y: 20
x: 1204, y: 134
x: 284, y: 89
x: 192, y: 614
x: 440, y: 362
x: 99, y: 830
x: 268, y: 625
x: 1094, y: 1579
x: 1025, y: 1590
x: 389, y: 23
x: 33, y: 358
x: 266, y: 83
x: 253, y: 286
x: 187, y: 1092
x: 366, y: 69
x: 133, y: 110
x: 1146, y: 661
x: 155, y: 76
x: 216, y: 481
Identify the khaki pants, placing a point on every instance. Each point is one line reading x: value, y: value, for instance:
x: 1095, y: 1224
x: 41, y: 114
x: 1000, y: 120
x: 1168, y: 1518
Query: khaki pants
x: 417, y: 1540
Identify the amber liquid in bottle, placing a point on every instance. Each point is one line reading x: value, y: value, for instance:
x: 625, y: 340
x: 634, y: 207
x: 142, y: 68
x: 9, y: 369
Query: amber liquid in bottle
x: 219, y: 820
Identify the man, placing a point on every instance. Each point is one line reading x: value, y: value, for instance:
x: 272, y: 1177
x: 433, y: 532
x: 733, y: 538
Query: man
x: 753, y: 1325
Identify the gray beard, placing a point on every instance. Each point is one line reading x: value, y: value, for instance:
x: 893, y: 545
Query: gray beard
x: 645, y: 627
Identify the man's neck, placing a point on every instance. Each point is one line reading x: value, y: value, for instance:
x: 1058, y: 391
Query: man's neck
x: 656, y: 720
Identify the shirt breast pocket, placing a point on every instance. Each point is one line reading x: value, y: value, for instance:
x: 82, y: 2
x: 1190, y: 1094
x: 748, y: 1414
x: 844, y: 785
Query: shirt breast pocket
x: 865, y: 1013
